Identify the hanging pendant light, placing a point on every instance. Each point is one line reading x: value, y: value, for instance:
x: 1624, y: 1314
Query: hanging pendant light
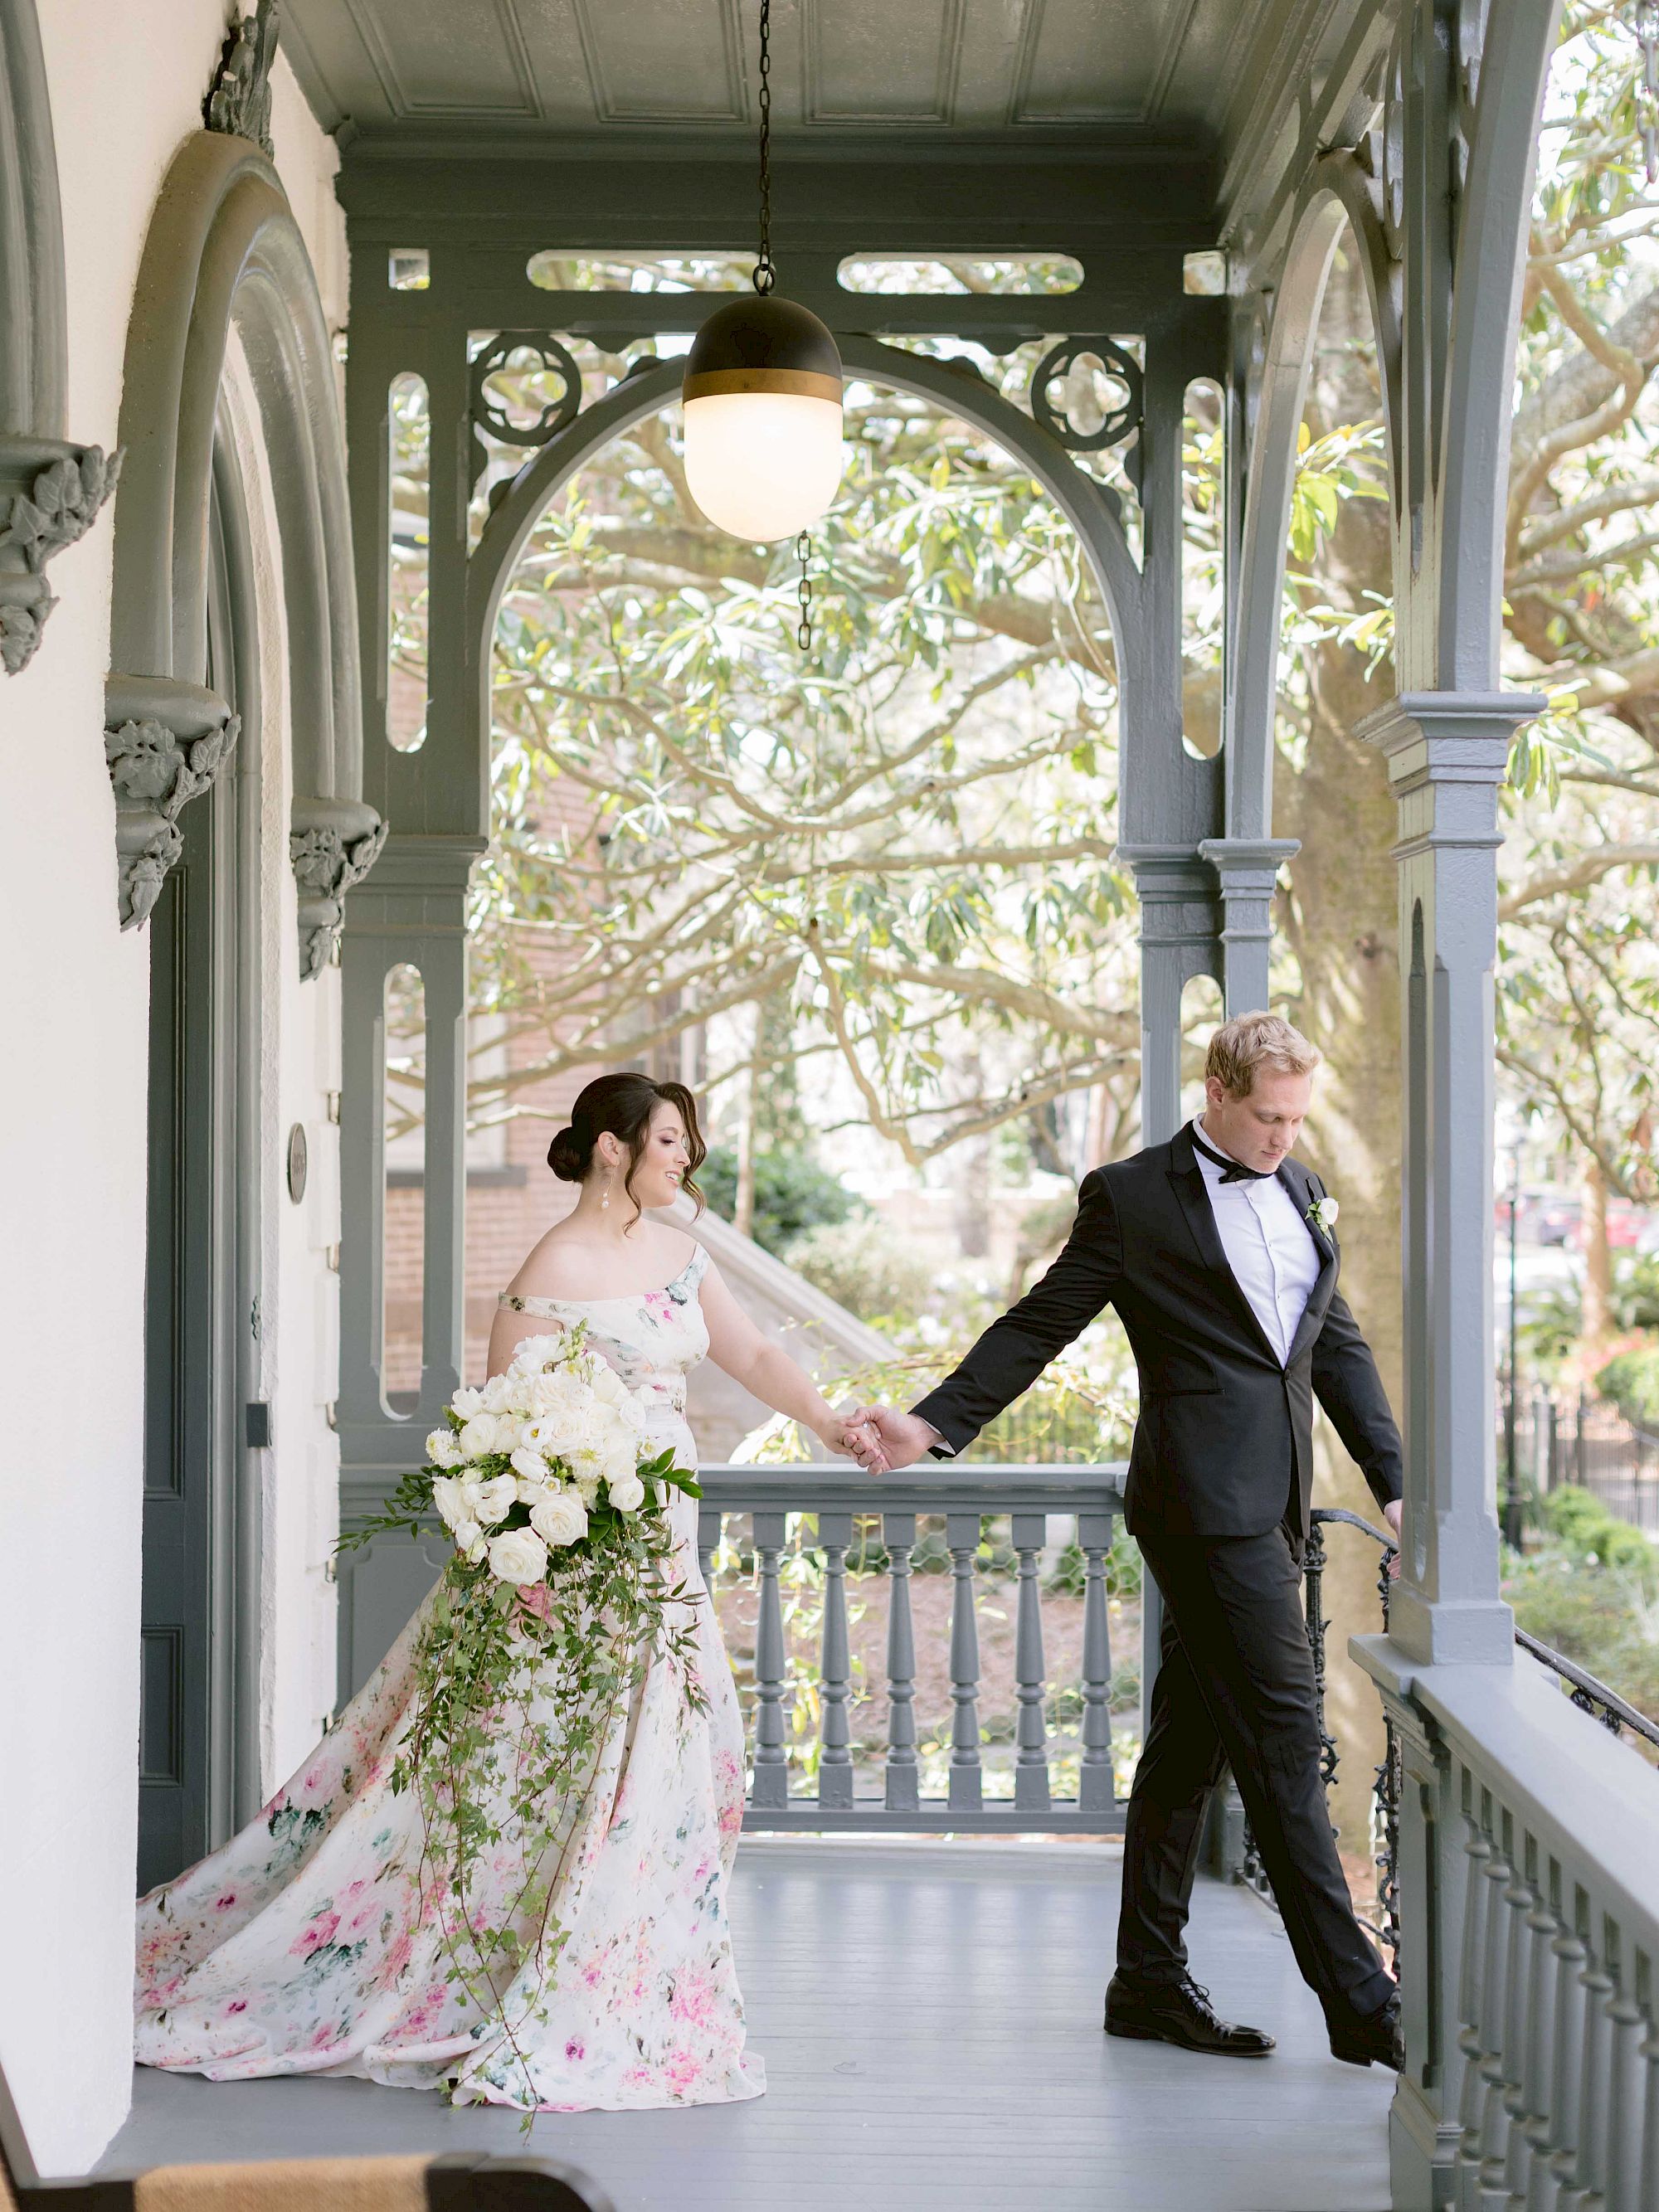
x: 763, y: 391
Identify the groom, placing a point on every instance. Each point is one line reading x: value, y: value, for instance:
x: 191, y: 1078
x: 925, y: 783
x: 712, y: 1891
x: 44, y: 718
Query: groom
x: 1217, y: 1253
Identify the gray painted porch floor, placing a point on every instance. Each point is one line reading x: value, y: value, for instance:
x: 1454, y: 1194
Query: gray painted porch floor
x: 929, y: 2014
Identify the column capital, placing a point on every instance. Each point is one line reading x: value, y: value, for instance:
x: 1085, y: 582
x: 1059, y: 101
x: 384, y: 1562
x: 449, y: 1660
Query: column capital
x: 1448, y: 737
x: 1248, y: 864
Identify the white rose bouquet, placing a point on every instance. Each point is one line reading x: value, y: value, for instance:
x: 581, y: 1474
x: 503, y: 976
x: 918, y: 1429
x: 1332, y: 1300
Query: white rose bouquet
x: 561, y: 1588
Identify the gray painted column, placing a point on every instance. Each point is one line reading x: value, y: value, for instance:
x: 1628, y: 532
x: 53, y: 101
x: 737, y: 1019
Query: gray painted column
x: 1179, y: 925
x: 1447, y: 754
x: 1247, y: 869
x: 412, y: 909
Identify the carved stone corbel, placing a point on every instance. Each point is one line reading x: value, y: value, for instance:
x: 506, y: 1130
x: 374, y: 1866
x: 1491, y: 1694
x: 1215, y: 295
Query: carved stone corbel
x: 165, y: 742
x: 239, y: 101
x: 50, y: 496
x: 333, y: 843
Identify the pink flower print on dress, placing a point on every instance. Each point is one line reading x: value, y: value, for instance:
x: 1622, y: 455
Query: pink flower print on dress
x: 682, y: 2071
x: 641, y: 2008
x: 318, y: 1931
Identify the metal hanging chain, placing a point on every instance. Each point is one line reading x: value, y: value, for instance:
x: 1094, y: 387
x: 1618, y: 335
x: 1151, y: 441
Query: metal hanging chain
x: 1647, y: 88
x: 803, y: 593
x: 766, y: 274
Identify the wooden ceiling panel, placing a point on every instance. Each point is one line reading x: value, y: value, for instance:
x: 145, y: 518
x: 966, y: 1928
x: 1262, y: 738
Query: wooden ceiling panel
x: 663, y: 61
x: 448, y: 62
x: 866, y: 61
x: 1098, y: 61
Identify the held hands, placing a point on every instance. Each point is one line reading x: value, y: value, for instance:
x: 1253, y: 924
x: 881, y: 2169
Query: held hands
x: 1393, y: 1513
x: 882, y: 1438
x: 848, y: 1432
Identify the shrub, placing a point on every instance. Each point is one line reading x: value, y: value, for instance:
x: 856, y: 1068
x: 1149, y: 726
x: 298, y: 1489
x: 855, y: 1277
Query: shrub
x: 865, y: 1266
x: 1592, y: 1535
x: 1631, y: 1381
x: 792, y: 1194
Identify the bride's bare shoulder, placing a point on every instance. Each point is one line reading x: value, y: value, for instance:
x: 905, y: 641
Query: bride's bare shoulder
x: 569, y: 1263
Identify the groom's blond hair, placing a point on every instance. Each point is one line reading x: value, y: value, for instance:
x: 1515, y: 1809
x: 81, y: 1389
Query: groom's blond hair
x: 1248, y: 1042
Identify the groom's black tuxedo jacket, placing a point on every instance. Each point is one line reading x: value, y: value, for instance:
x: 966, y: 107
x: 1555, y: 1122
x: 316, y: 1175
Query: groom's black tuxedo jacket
x: 1222, y: 1428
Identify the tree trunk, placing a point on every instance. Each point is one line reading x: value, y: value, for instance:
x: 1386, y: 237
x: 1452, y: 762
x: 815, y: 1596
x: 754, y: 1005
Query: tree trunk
x: 743, y: 1203
x: 1341, y: 924
x: 1597, y: 1330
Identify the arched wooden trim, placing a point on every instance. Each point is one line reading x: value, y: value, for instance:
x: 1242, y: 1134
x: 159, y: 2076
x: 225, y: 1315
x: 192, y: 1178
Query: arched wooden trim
x: 50, y: 491
x: 224, y: 252
x: 1493, y: 216
x: 1086, y: 506
x: 1338, y: 198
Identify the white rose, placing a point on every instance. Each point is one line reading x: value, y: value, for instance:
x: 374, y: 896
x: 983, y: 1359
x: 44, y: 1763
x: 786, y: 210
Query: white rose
x: 518, y: 1555
x: 608, y: 1385
x: 469, y: 1540
x: 442, y: 1450
x: 498, y: 1394
x: 531, y: 1353
x: 467, y: 1403
x: 561, y: 1517
x: 448, y: 1496
x: 628, y: 1495
x: 478, y: 1437
x: 497, y: 1498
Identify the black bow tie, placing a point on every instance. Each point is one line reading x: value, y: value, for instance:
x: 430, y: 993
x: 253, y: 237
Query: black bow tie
x: 1231, y: 1170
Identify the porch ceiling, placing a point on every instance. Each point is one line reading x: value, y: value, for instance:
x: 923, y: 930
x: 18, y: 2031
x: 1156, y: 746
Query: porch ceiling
x: 1216, y: 79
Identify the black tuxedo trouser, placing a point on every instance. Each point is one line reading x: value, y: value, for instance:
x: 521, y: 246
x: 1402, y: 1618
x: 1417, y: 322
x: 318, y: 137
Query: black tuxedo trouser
x: 1236, y: 1685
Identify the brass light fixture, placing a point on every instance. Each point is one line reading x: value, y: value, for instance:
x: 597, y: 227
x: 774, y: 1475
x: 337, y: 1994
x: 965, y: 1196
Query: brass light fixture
x: 763, y: 391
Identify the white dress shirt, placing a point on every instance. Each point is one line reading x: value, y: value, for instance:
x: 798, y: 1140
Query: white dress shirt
x: 1269, y: 1247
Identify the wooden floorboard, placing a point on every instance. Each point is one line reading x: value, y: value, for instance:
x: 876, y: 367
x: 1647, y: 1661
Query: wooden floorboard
x: 929, y: 2014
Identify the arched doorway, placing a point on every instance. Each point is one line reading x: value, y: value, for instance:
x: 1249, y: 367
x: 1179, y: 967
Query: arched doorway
x: 233, y: 701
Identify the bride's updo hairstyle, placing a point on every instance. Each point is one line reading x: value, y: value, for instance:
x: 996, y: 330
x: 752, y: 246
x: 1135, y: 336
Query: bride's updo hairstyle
x: 621, y: 1106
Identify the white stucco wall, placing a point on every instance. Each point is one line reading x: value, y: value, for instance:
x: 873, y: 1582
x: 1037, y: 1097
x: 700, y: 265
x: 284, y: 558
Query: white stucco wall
x: 127, y: 86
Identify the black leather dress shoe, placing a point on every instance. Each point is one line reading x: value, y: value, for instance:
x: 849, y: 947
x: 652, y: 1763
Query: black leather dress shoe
x: 1372, y: 2038
x: 1180, y: 2013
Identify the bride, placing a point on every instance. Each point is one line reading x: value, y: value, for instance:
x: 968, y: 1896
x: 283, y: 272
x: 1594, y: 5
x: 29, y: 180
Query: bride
x: 310, y: 1943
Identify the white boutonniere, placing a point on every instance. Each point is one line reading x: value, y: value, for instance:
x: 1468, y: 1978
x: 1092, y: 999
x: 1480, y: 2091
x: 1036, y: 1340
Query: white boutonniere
x: 1322, y: 1213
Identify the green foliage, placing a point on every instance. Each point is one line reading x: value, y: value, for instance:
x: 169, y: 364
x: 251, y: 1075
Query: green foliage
x: 1631, y: 1381
x: 1591, y: 1592
x: 793, y: 1194
x: 865, y: 1266
x: 1592, y: 1536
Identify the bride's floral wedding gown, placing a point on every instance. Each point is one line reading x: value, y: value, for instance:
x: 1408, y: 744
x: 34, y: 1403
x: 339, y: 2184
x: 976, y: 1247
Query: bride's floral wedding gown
x: 305, y: 1946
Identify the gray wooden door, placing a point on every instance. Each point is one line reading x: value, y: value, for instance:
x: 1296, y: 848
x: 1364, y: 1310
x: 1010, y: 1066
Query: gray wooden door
x: 201, y: 1304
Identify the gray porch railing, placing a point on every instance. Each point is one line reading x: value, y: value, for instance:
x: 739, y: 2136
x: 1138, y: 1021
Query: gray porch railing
x: 965, y: 1496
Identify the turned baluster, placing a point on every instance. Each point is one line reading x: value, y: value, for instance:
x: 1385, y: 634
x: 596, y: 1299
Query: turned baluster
x: 1648, y: 2192
x: 899, y: 1534
x: 834, y: 1731
x: 1566, y: 2083
x: 710, y: 1520
x: 1096, y: 1790
x: 966, y: 1791
x: 771, y: 1785
x: 1587, y: 2186
x: 1471, y: 1985
x: 1030, y: 1533
x: 1544, y: 1927
x: 1494, y: 2013
x: 1518, y: 1901
x: 1623, y: 2153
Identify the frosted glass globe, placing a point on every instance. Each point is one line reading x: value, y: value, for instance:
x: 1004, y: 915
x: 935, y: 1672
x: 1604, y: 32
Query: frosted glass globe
x: 762, y: 464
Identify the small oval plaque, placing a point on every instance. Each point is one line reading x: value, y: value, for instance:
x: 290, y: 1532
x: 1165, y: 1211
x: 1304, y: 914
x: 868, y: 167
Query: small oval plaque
x: 298, y: 1161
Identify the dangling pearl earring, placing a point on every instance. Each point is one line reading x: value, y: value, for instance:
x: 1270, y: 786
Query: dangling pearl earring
x: 604, y: 1195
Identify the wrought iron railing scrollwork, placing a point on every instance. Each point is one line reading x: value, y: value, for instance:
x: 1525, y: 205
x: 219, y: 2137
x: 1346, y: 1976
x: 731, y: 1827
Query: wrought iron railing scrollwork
x: 1385, y: 1792
x: 1584, y: 1690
